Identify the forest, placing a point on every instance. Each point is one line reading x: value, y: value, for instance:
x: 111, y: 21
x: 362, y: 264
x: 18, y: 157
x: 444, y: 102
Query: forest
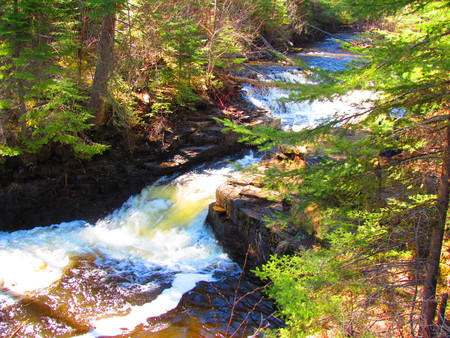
x: 79, y: 79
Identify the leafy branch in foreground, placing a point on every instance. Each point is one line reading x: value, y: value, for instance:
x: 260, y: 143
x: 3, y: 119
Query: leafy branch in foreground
x: 362, y: 276
x: 378, y: 185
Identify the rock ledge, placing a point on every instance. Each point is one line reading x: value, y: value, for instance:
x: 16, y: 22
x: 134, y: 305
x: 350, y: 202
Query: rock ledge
x: 244, y: 220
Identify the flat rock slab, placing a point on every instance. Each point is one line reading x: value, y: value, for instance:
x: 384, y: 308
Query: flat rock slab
x: 244, y: 220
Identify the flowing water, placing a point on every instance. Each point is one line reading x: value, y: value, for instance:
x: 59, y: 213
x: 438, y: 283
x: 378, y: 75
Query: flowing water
x: 107, y: 279
x: 152, y: 268
x: 295, y: 115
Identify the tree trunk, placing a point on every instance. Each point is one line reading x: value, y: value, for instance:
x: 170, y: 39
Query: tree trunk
x: 83, y: 42
x: 437, y: 236
x: 103, y: 70
x: 16, y: 56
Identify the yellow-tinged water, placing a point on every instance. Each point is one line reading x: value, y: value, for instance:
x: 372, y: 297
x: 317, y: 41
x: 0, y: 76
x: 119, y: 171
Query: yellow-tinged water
x: 108, y: 278
x: 121, y: 275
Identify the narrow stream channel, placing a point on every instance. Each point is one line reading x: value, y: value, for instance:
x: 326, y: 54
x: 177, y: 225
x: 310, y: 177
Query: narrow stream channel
x: 295, y: 115
x: 152, y: 268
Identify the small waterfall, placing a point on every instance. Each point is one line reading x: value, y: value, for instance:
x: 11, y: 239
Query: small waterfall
x: 297, y: 115
x: 134, y: 264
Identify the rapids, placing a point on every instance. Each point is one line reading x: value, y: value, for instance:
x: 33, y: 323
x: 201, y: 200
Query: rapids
x: 110, y: 277
x: 297, y: 115
x: 152, y: 268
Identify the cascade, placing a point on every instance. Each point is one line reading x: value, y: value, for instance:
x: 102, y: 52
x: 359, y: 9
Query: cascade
x: 295, y: 115
x: 126, y: 274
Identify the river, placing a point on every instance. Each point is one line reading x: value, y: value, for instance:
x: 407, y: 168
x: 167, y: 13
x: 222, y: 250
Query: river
x: 295, y: 115
x: 152, y: 268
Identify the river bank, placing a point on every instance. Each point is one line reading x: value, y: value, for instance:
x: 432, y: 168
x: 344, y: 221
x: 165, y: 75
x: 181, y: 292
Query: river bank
x: 157, y: 244
x: 60, y: 189
x: 53, y: 187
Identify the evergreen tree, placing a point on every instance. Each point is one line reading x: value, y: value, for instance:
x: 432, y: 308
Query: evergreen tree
x: 40, y: 103
x: 182, y: 44
x: 100, y: 98
x: 379, y: 215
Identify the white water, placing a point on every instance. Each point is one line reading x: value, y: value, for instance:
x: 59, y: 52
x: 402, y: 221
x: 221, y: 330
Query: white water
x: 297, y: 115
x: 166, y: 301
x: 162, y: 229
x: 160, y: 232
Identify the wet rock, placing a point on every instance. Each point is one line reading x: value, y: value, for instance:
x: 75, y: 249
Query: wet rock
x: 231, y: 306
x: 239, y: 219
x: 59, y: 190
x: 245, y: 219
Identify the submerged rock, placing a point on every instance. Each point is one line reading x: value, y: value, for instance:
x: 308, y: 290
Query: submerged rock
x: 231, y: 306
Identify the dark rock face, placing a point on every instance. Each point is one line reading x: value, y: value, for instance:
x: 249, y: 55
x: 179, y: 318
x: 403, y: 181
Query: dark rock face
x: 244, y: 220
x: 230, y: 307
x: 239, y: 220
x: 62, y: 189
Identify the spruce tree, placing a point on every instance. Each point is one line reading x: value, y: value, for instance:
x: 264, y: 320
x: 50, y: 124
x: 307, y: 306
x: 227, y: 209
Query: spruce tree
x: 380, y: 218
x: 41, y: 104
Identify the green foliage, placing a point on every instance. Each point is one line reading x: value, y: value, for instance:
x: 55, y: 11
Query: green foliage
x: 40, y: 104
x: 332, y: 12
x: 339, y: 286
x: 398, y: 68
x: 171, y: 50
x: 9, y: 151
x: 100, y: 8
x: 375, y: 209
x: 162, y: 108
x: 264, y: 137
x: 407, y: 70
x: 298, y: 284
x: 61, y: 119
x: 184, y: 56
x: 379, y: 9
x: 271, y: 13
x: 221, y: 49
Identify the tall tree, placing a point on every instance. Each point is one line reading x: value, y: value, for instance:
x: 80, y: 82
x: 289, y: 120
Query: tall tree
x: 100, y: 99
x: 40, y: 104
x: 396, y: 221
x: 437, y: 236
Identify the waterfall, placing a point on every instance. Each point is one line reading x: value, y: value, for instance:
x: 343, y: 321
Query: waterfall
x: 138, y: 262
x: 297, y: 115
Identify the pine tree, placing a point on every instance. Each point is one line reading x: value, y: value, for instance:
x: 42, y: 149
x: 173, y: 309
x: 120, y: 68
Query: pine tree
x: 41, y: 104
x: 378, y: 213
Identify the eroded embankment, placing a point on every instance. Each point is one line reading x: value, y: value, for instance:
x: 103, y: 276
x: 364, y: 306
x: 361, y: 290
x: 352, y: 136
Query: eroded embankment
x: 55, y: 190
x: 245, y: 217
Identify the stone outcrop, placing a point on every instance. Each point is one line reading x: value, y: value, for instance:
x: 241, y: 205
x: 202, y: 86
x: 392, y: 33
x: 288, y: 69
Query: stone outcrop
x: 60, y: 189
x: 245, y: 220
